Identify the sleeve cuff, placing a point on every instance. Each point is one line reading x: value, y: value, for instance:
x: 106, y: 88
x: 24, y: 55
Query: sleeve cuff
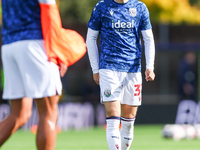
x: 95, y: 71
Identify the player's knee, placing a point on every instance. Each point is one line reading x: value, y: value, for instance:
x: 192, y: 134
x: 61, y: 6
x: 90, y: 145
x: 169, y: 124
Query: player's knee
x: 25, y: 117
x: 133, y: 115
x: 50, y: 113
x: 129, y: 116
x: 22, y: 117
x: 112, y: 112
x: 54, y: 110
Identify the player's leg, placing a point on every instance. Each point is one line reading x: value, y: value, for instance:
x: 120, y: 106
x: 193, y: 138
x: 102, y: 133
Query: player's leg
x: 128, y: 114
x: 41, y: 81
x: 113, y: 121
x: 48, y: 114
x: 20, y: 113
x: 111, y: 87
x: 130, y: 102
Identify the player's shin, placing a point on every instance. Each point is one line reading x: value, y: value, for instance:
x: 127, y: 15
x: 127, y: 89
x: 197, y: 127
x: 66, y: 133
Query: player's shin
x: 127, y: 132
x: 112, y: 133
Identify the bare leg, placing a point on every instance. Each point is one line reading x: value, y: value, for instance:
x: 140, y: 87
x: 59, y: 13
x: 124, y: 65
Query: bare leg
x: 112, y: 108
x: 128, y: 111
x: 48, y: 114
x: 20, y: 113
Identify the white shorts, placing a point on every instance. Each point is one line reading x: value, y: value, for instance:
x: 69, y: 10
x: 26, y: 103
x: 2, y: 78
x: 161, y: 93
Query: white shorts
x: 122, y: 86
x: 27, y: 71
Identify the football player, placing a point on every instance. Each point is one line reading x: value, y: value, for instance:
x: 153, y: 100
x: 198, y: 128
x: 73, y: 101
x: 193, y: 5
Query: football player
x: 117, y: 66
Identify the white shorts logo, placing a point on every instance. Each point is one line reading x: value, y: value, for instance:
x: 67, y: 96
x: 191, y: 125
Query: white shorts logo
x: 107, y: 93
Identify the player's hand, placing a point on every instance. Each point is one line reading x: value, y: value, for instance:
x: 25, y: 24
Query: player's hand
x: 63, y: 69
x: 96, y: 78
x: 150, y: 75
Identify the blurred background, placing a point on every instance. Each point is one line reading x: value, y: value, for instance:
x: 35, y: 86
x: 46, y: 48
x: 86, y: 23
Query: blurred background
x: 176, y: 28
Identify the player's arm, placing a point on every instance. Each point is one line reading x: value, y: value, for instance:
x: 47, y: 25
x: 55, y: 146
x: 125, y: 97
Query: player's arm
x: 63, y: 69
x: 149, y: 53
x: 146, y: 30
x: 62, y: 66
x: 64, y: 47
x: 91, y: 42
x: 94, y: 26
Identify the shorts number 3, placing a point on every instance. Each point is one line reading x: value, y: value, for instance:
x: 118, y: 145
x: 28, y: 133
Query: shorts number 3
x: 137, y: 89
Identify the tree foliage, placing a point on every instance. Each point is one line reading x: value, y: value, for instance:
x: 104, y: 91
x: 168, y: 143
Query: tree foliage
x: 76, y: 10
x: 173, y: 11
x: 195, y: 3
x: 161, y: 11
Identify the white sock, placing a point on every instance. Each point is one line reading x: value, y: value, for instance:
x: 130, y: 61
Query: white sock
x: 127, y: 131
x: 113, y: 134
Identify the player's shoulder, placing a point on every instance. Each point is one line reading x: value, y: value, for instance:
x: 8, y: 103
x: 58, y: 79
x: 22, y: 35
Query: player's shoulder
x: 104, y: 2
x: 141, y: 4
x: 101, y: 3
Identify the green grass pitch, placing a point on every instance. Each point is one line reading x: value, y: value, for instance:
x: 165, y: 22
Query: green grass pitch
x: 147, y: 137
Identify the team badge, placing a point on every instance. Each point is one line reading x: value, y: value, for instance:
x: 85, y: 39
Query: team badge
x: 107, y: 93
x: 133, y: 12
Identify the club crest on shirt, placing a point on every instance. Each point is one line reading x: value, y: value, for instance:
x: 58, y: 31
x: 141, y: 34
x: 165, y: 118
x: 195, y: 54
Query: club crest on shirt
x: 133, y: 12
x: 107, y: 93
